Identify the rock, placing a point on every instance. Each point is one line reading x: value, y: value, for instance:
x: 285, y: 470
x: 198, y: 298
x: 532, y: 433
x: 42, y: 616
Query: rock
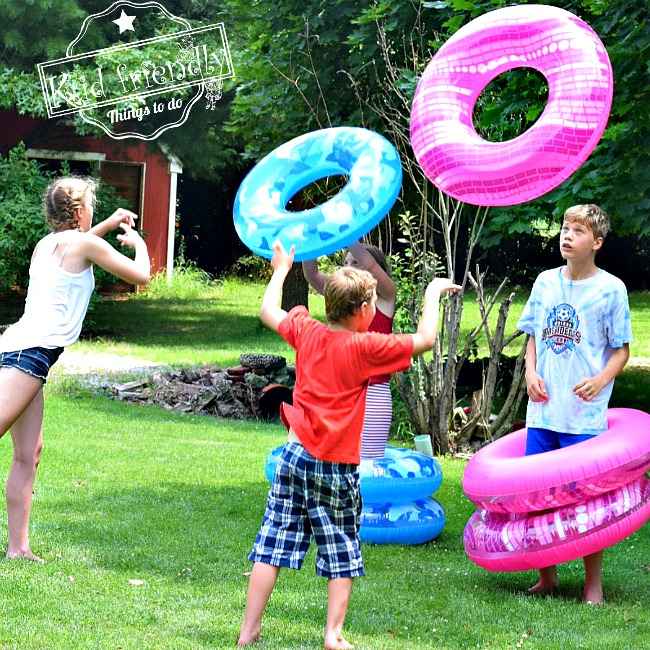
x: 262, y: 361
x: 233, y: 393
x: 255, y: 380
x: 131, y: 385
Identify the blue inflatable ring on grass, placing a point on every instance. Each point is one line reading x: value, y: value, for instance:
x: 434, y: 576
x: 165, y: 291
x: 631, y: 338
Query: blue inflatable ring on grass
x: 374, y: 173
x: 416, y: 522
x: 396, y: 494
x: 401, y: 475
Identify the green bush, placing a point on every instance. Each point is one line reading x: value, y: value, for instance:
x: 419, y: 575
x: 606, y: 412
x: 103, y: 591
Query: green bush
x: 256, y: 268
x: 401, y: 428
x: 329, y: 263
x: 188, y: 283
x: 251, y: 267
x: 22, y: 223
x: 22, y: 184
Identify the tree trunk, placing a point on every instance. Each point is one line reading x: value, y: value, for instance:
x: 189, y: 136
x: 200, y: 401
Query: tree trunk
x: 296, y: 289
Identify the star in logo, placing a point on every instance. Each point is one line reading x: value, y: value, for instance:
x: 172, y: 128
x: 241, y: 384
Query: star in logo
x: 125, y: 23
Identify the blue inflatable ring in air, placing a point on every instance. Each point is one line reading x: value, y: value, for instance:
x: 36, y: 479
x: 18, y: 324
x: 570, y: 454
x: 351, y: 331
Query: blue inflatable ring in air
x: 396, y: 494
x: 367, y: 159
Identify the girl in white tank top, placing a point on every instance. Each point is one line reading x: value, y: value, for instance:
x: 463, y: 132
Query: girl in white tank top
x: 61, y: 282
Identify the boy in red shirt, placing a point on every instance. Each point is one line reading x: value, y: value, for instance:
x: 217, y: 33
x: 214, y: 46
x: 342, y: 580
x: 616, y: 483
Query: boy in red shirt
x: 315, y: 490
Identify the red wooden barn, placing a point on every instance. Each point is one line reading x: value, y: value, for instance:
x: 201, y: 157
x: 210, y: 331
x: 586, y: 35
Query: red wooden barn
x: 142, y: 172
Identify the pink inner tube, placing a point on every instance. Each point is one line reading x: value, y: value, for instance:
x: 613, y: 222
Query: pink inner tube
x: 499, y: 478
x: 553, y: 41
x: 516, y: 542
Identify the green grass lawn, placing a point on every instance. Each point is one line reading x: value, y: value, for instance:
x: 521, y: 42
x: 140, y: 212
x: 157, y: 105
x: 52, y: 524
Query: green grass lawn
x: 136, y: 493
x: 222, y: 321
x: 216, y: 323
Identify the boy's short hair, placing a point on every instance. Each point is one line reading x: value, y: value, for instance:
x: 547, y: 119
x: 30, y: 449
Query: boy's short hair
x: 591, y: 216
x: 63, y: 198
x: 346, y: 290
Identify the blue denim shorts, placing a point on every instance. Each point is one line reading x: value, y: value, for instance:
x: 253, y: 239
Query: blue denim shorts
x: 539, y: 441
x: 34, y: 361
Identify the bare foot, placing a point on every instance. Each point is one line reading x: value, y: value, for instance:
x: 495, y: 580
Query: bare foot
x: 248, y: 637
x: 593, y: 595
x: 542, y: 588
x: 335, y: 641
x: 24, y: 555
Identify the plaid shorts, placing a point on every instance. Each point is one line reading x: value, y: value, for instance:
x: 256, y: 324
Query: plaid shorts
x: 311, y: 497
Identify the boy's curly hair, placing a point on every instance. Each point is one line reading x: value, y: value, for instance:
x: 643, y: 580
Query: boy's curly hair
x: 592, y: 216
x: 63, y: 198
x: 346, y: 290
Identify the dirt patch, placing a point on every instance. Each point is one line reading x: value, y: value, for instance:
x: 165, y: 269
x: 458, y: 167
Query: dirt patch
x: 76, y: 362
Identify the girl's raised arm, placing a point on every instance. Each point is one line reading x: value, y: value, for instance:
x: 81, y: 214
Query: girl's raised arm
x: 100, y: 252
x: 385, y: 284
x: 314, y: 276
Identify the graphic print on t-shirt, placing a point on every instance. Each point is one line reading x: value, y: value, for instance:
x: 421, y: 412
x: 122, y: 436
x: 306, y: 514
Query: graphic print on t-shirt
x: 561, y: 332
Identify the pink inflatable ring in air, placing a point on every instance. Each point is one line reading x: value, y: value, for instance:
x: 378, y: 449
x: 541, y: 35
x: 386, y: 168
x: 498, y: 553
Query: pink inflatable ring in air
x: 579, y: 74
x: 550, y: 508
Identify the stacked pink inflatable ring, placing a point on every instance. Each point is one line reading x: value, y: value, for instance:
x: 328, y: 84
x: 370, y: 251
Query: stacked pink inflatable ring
x: 545, y: 509
x: 575, y: 64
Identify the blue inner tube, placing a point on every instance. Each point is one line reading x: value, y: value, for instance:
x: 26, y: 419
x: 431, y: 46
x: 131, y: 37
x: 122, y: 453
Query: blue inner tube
x: 374, y: 173
x: 272, y: 462
x: 400, y: 476
x: 395, y: 490
x: 404, y: 523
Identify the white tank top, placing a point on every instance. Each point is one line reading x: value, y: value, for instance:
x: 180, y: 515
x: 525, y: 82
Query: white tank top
x: 56, y: 302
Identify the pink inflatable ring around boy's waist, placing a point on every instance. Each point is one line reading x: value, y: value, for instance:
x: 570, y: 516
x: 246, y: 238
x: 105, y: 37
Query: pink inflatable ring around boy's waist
x: 580, y: 85
x: 499, y: 478
x: 517, y: 542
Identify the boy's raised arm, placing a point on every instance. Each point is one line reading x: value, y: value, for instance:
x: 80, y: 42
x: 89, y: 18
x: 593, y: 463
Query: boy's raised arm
x: 425, y: 336
x: 271, y: 311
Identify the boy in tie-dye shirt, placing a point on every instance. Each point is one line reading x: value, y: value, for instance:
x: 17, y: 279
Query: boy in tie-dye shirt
x: 578, y: 320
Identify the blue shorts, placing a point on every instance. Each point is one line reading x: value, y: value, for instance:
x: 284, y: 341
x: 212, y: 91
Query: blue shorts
x: 539, y: 441
x: 311, y: 497
x: 34, y: 361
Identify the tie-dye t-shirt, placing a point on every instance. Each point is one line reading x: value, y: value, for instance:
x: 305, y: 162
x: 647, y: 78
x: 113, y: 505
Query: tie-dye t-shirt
x: 576, y: 325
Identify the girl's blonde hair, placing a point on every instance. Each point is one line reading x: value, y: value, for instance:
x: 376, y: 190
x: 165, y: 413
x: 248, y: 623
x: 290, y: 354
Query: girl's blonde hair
x: 63, y: 198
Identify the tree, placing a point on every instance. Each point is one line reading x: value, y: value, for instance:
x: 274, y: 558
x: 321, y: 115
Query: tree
x: 295, y: 62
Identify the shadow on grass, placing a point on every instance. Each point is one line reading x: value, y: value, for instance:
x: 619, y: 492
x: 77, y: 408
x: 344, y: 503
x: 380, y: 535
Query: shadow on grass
x: 163, y: 322
x: 632, y: 389
x: 165, y: 529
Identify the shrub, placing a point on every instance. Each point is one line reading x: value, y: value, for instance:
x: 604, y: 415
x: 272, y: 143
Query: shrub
x: 22, y: 184
x: 258, y: 269
x: 188, y: 283
x: 22, y: 224
x: 251, y: 267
